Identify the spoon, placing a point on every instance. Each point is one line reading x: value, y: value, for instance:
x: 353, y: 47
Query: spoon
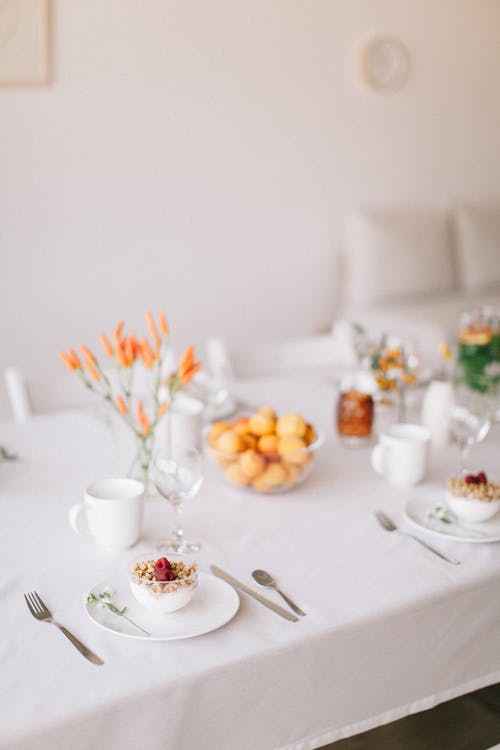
x: 264, y: 579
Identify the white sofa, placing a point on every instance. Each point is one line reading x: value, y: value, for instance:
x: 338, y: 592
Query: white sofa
x: 410, y: 273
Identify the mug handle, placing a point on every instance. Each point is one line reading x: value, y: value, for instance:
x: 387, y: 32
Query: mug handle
x: 73, y: 517
x: 377, y: 458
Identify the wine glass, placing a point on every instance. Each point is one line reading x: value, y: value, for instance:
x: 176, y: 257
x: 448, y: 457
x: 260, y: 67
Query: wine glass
x: 178, y: 476
x: 467, y: 429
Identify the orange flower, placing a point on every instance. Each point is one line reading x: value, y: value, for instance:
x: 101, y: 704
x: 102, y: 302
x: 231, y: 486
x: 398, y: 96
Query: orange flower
x: 145, y: 427
x: 151, y: 325
x: 106, y: 345
x: 75, y: 359
x: 140, y: 411
x: 163, y: 324
x: 120, y: 354
x: 162, y: 409
x: 147, y: 353
x: 68, y: 361
x: 409, y: 378
x: 118, y: 330
x: 143, y: 420
x: 117, y: 336
x: 129, y: 349
x: 89, y: 366
x: 188, y: 367
x: 187, y: 357
x: 88, y: 353
x: 394, y: 353
x: 122, y: 406
x: 189, y: 374
x: 136, y: 345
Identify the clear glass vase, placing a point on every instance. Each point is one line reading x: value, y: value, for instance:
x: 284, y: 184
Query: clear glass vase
x: 141, y: 465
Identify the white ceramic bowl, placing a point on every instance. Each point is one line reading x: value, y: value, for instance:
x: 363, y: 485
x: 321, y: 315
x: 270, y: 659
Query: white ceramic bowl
x: 472, y: 510
x: 164, y: 596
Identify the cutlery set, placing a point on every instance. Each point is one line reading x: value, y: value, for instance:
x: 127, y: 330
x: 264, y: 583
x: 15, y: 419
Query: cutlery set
x: 255, y: 595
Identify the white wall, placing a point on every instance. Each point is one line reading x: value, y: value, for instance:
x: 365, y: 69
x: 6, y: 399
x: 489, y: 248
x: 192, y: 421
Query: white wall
x: 200, y: 156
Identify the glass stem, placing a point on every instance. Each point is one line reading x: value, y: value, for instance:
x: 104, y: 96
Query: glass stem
x: 178, y: 530
x: 464, y: 452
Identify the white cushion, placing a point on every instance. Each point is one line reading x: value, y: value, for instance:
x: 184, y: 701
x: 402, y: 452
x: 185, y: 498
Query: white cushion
x: 478, y: 248
x: 396, y: 254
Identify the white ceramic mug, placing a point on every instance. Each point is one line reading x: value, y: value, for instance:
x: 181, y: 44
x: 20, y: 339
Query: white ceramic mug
x: 401, y: 454
x: 184, y: 422
x: 113, y: 510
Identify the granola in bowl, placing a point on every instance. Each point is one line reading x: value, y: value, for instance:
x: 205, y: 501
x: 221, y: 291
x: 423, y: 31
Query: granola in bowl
x: 164, y: 585
x: 473, y: 498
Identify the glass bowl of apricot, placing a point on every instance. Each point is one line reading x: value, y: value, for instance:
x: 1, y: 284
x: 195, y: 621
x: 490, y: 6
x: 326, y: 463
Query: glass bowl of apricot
x: 264, y: 452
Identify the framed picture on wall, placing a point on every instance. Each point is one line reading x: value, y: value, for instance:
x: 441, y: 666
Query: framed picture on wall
x: 24, y: 42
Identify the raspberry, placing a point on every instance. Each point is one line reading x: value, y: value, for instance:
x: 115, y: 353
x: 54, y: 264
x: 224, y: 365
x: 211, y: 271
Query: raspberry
x: 164, y: 574
x: 481, y: 478
x: 163, y: 571
x: 470, y: 479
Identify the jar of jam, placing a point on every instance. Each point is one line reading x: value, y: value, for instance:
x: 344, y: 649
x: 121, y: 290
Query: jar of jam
x: 354, y: 416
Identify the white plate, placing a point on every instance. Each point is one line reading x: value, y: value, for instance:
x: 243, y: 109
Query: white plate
x: 416, y: 511
x: 213, y: 605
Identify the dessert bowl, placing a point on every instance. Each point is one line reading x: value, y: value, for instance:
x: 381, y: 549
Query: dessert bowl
x: 472, y: 500
x: 164, y: 585
x: 263, y: 452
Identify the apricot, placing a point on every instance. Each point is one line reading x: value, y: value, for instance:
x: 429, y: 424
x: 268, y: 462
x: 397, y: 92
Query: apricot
x: 266, y: 411
x: 235, y: 475
x: 216, y: 429
x: 252, y: 463
x: 251, y: 441
x: 291, y: 425
x: 261, y: 424
x: 241, y: 426
x: 273, y: 476
x: 294, y: 449
x: 230, y: 442
x: 222, y: 459
x: 268, y: 444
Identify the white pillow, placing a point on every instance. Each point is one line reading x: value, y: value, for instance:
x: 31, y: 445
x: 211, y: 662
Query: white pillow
x: 478, y: 248
x: 394, y: 255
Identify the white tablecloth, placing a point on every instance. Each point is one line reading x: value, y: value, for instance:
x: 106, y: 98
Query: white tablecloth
x: 390, y: 629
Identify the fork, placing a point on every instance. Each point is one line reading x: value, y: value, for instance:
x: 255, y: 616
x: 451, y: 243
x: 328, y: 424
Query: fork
x: 389, y: 525
x: 41, y: 612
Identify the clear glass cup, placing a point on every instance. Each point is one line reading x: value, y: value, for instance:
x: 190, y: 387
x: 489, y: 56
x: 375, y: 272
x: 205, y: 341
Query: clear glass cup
x: 178, y: 476
x: 478, y: 365
x: 467, y: 429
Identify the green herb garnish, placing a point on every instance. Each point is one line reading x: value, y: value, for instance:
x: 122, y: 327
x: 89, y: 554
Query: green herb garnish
x: 104, y: 600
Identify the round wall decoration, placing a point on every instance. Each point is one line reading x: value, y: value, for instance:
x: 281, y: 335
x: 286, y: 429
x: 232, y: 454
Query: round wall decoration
x: 384, y: 63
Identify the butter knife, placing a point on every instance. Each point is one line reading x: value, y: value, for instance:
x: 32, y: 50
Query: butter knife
x: 247, y: 590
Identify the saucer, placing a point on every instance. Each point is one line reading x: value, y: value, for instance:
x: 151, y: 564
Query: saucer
x: 416, y: 511
x: 214, y: 604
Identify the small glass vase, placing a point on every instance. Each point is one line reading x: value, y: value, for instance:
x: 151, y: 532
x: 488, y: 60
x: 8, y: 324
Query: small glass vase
x: 142, y: 462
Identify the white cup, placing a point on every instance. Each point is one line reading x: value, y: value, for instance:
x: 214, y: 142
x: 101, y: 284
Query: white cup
x: 184, y: 422
x: 401, y: 454
x: 113, y: 510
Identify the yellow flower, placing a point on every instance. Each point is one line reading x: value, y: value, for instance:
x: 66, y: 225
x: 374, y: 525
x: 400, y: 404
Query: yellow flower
x: 445, y: 351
